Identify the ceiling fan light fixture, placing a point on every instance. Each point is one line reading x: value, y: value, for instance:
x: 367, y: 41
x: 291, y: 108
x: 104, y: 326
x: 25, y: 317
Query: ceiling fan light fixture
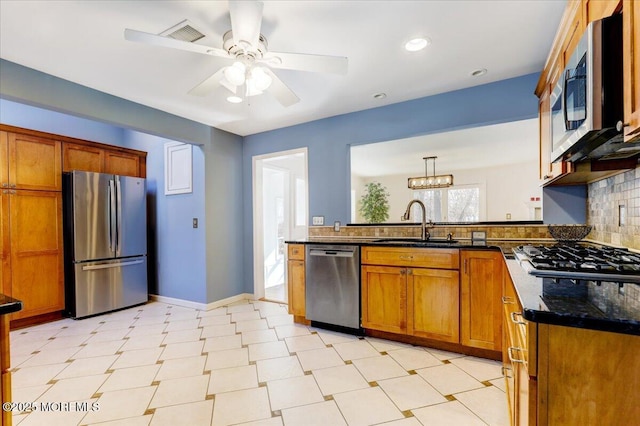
x: 417, y: 44
x: 260, y: 79
x: 234, y: 99
x: 235, y: 74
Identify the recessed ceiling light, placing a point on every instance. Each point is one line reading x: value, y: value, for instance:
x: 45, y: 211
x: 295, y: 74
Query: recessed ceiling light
x: 234, y: 99
x: 417, y: 44
x: 379, y: 96
x: 479, y: 72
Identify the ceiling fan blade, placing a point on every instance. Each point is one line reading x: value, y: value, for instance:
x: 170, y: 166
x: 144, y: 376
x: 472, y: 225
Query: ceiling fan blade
x: 209, y: 84
x: 305, y: 62
x: 280, y: 91
x: 246, y: 20
x: 148, y: 38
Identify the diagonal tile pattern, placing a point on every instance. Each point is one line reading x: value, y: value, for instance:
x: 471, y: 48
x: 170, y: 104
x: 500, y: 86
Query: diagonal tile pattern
x: 246, y: 363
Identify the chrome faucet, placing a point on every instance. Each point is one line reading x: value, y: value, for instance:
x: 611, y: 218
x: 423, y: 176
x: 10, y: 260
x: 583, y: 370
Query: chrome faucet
x: 424, y: 234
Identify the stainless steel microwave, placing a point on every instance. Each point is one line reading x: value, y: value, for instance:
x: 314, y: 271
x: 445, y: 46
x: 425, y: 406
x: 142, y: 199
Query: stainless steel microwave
x: 587, y: 101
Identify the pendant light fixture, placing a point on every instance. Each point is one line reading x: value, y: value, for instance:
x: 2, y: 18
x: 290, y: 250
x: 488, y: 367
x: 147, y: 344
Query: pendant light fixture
x: 433, y: 181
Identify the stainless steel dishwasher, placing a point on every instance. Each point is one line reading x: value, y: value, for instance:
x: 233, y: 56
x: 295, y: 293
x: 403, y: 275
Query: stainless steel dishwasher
x: 333, y: 285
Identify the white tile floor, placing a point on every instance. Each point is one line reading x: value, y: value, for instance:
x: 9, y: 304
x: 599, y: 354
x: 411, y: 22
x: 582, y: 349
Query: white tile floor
x: 245, y: 363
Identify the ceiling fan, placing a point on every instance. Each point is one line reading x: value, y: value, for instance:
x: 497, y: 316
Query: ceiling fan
x: 245, y: 49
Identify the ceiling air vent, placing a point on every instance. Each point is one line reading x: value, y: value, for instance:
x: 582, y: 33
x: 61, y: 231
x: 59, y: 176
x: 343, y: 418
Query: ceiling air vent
x: 183, y: 31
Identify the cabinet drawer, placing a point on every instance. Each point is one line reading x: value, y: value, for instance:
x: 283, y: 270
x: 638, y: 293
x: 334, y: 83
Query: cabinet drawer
x: 419, y: 257
x: 296, y: 251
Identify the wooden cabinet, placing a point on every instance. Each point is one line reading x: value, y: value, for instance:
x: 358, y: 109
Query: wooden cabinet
x: 518, y: 359
x: 122, y: 163
x: 409, y: 291
x: 82, y: 157
x: 31, y: 222
x: 296, y: 281
x: 5, y: 374
x: 98, y: 158
x: 480, y: 301
x: 433, y: 304
x: 384, y: 298
x: 28, y: 162
x: 587, y: 377
x: 578, y: 14
x: 631, y: 68
x: 35, y: 255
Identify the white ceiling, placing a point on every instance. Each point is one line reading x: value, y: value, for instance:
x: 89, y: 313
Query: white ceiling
x: 479, y: 147
x: 83, y: 42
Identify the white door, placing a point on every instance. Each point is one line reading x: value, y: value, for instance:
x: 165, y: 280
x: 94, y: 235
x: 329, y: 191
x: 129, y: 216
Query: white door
x: 279, y: 214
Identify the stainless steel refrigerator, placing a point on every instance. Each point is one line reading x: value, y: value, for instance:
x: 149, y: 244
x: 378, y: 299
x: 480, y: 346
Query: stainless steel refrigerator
x: 105, y: 235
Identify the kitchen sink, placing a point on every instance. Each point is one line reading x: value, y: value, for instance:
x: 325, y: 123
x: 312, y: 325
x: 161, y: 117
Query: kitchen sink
x: 417, y: 241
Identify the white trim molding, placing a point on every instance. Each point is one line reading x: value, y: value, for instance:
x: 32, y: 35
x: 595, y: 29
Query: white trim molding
x: 178, y: 174
x: 202, y: 306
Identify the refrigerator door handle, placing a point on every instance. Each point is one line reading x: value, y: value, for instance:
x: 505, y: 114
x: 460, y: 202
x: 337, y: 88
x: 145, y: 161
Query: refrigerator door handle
x: 112, y: 216
x: 111, y: 265
x: 118, y: 244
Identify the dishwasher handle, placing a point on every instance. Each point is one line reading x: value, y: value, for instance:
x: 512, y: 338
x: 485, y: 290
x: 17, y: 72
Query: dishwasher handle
x: 332, y: 252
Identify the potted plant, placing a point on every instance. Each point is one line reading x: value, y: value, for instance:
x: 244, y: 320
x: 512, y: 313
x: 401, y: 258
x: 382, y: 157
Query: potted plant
x: 374, y: 206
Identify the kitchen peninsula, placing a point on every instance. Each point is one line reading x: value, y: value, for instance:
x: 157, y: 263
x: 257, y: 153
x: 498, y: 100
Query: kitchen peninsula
x: 478, y: 299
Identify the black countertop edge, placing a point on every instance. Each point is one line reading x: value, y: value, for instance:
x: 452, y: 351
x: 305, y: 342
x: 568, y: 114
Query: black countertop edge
x: 529, y: 292
x: 409, y: 244
x: 9, y: 304
x: 497, y: 223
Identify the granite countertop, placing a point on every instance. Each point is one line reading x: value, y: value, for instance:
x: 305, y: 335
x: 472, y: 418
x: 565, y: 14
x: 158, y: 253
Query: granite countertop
x: 411, y: 243
x: 572, y: 311
x: 9, y: 304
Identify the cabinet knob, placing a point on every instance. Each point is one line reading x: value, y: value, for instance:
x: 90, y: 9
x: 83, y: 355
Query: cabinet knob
x: 13, y: 185
x: 620, y: 125
x: 5, y: 184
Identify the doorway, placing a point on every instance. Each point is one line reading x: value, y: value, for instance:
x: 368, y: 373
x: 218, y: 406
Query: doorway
x: 279, y: 214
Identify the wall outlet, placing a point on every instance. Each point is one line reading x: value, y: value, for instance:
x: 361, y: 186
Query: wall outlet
x: 195, y: 222
x: 317, y: 220
x: 508, y: 216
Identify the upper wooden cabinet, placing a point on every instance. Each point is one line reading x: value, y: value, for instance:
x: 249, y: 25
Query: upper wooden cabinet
x: 578, y: 14
x: 101, y: 159
x: 29, y: 162
x: 82, y: 157
x: 631, y: 68
x: 122, y: 163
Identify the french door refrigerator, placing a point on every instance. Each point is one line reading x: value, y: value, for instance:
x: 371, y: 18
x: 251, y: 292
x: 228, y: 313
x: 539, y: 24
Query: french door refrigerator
x: 105, y: 236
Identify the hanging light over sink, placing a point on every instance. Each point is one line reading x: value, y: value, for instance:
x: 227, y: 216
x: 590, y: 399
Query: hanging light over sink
x: 429, y: 182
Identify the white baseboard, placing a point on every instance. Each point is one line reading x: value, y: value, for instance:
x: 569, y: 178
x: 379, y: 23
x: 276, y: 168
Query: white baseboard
x: 202, y: 306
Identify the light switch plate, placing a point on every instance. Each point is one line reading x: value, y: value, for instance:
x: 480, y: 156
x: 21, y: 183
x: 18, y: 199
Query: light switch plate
x: 318, y: 220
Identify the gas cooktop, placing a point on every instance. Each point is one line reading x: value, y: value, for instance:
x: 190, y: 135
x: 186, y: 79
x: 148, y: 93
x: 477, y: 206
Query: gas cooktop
x: 580, y: 261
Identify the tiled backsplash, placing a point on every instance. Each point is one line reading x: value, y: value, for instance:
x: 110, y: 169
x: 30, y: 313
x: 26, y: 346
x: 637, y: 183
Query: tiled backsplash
x: 500, y: 232
x: 603, y: 209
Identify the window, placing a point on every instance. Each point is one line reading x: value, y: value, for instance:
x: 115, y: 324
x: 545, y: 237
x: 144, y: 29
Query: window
x: 454, y: 204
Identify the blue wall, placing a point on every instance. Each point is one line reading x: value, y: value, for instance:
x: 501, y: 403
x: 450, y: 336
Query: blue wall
x: 329, y: 140
x: 177, y: 248
x: 222, y: 198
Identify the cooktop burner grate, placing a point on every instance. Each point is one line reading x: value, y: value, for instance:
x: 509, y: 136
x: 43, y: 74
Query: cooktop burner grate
x: 583, y: 259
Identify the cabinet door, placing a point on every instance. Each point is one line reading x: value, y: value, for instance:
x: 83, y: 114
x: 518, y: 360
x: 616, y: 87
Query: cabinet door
x: 433, y: 304
x: 481, y: 299
x: 296, y: 287
x: 122, y: 163
x: 34, y: 163
x: 631, y: 68
x: 36, y: 252
x: 384, y: 298
x: 82, y: 157
x: 5, y: 243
